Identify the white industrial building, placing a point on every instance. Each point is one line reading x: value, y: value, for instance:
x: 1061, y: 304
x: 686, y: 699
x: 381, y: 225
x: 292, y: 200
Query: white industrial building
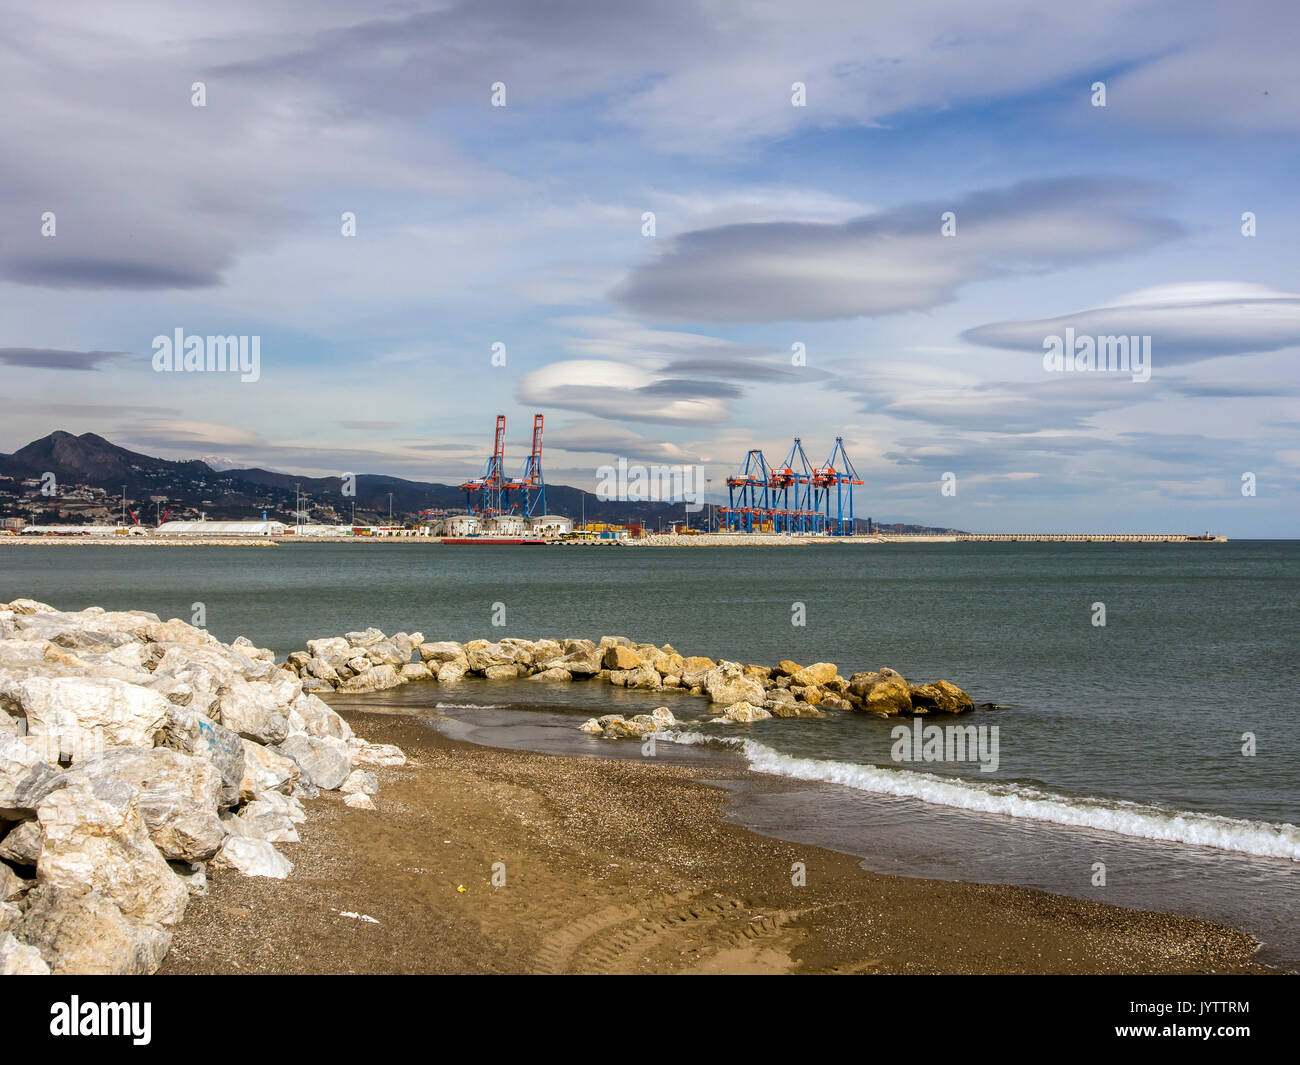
x: 322, y: 530
x: 505, y: 525
x: 551, y: 525
x: 459, y: 525
x: 221, y: 528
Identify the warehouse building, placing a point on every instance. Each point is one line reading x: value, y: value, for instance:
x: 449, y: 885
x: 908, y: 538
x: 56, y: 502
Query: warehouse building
x: 221, y: 528
x: 550, y: 525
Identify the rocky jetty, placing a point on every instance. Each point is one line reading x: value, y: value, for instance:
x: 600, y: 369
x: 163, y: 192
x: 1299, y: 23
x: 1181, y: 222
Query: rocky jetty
x: 135, y: 754
x: 370, y: 661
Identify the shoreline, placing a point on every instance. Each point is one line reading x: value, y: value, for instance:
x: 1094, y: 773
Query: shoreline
x: 651, y: 540
x: 152, y: 773
x: 614, y: 865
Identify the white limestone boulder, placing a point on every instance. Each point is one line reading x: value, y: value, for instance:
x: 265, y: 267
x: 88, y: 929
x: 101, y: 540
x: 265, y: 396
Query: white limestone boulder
x: 25, y: 779
x: 376, y: 754
x: 95, y: 839
x: 193, y: 733
x: 84, y: 714
x: 252, y: 857
x: 253, y: 711
x: 12, y: 885
x: 22, y: 844
x: 20, y: 959
x: 314, y: 717
x: 86, y: 934
x: 266, y: 770
x: 264, y: 819
x: 326, y: 762
x: 360, y: 780
x: 179, y: 796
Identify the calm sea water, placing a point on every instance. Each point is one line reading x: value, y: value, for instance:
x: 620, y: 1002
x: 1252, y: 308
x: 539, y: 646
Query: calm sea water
x: 1119, y: 743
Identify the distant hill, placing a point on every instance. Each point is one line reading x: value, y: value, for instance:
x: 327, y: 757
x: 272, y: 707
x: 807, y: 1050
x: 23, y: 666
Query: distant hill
x: 193, y: 487
x: 90, y: 459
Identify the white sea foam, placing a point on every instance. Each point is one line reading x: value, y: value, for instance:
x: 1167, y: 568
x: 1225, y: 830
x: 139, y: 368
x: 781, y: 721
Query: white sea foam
x: 469, y: 706
x: 1140, y: 820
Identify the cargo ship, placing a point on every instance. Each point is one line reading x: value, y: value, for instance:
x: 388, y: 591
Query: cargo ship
x: 528, y: 540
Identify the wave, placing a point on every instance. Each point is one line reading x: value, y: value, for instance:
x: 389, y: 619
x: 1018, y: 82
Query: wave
x: 471, y: 706
x: 1140, y: 820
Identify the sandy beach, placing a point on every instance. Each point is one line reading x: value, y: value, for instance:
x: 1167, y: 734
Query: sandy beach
x: 615, y: 866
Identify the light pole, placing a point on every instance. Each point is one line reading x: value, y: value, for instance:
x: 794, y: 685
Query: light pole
x: 390, y: 508
x: 708, y: 490
x: 123, y: 505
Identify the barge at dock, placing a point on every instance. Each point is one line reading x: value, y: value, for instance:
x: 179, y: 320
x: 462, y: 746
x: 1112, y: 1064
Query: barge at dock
x: 528, y: 540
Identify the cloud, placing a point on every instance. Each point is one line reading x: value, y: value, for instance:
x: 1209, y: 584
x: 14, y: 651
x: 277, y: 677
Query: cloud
x: 616, y: 390
x: 893, y: 261
x: 599, y: 437
x: 185, y: 439
x: 181, y: 193
x: 90, y: 411
x: 1186, y: 322
x: 78, y: 271
x: 955, y: 399
x: 635, y: 373
x: 179, y: 433
x: 54, y: 359
x: 1239, y: 77
x: 1232, y: 389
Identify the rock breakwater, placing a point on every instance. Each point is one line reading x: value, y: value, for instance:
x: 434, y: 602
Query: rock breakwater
x: 135, y: 754
x: 371, y: 661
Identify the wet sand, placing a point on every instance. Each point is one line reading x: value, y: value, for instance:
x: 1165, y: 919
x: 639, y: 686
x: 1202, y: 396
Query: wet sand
x: 616, y: 866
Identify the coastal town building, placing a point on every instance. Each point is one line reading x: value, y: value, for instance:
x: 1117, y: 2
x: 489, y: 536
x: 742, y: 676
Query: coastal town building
x: 82, y: 530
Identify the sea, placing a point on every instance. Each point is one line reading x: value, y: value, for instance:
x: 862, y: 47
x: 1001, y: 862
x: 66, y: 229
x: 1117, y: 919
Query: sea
x: 1147, y: 729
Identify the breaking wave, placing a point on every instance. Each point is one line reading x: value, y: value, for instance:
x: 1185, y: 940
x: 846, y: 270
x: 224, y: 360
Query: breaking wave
x: 1139, y: 820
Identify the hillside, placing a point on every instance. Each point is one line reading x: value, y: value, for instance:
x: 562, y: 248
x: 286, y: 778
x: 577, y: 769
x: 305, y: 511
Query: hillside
x: 192, y: 486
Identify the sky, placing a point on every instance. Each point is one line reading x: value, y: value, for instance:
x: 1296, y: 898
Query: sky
x: 868, y: 219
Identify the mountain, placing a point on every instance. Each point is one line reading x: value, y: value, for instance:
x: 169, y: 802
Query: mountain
x: 194, y: 486
x: 90, y: 459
